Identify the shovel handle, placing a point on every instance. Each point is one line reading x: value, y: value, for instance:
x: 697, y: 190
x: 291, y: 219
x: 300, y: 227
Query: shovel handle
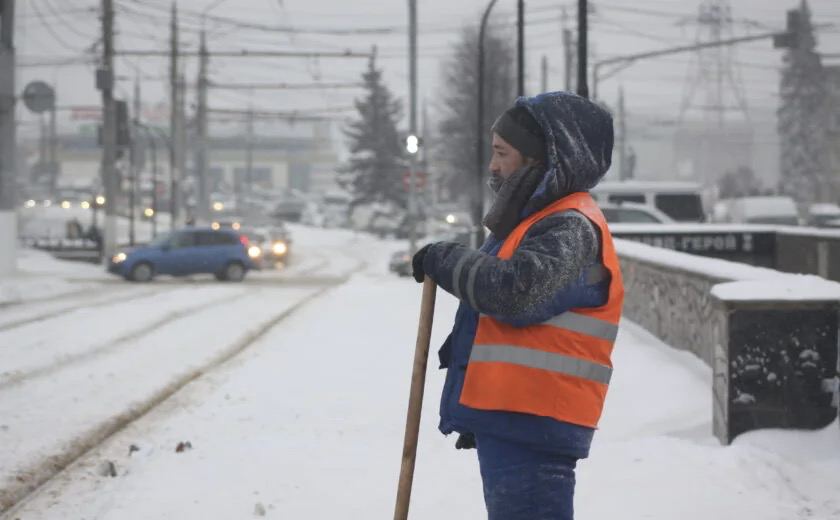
x: 415, y: 399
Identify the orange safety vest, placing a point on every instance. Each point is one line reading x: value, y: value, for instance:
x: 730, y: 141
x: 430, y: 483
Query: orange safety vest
x: 560, y: 368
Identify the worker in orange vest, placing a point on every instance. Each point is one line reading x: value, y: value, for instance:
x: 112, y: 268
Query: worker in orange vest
x: 528, y: 360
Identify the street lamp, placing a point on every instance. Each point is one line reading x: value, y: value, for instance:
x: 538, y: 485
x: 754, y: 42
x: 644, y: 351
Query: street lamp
x: 168, y: 143
x: 478, y: 205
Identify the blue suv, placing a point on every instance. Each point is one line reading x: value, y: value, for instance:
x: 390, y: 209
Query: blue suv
x: 223, y: 253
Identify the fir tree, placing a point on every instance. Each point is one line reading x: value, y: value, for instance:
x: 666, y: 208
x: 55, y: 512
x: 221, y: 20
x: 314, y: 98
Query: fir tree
x: 374, y: 171
x: 456, y: 143
x: 802, y: 118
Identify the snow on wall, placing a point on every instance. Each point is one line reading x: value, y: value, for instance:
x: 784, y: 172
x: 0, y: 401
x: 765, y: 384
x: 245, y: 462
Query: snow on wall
x: 757, y: 328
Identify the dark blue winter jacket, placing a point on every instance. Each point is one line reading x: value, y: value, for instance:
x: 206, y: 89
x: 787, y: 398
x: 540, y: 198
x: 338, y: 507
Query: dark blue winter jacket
x: 556, y: 267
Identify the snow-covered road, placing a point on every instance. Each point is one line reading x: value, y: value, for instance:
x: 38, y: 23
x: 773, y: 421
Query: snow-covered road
x: 307, y: 421
x: 77, y: 366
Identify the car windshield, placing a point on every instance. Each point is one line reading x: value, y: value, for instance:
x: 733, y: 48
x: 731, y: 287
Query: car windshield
x: 684, y: 207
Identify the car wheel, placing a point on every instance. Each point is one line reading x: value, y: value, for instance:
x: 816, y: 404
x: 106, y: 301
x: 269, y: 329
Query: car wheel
x: 234, y: 272
x: 142, y: 272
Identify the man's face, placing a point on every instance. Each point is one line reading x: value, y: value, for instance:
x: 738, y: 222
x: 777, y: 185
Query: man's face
x: 506, y: 159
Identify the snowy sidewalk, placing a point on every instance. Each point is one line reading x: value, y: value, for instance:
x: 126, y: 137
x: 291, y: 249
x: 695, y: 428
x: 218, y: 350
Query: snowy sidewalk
x: 308, y: 424
x: 42, y: 277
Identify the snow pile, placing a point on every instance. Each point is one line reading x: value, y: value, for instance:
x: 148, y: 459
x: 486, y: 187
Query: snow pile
x: 39, y: 276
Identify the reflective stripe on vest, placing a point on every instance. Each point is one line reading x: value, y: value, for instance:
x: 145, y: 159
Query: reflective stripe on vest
x: 585, y: 325
x: 560, y: 368
x: 528, y: 357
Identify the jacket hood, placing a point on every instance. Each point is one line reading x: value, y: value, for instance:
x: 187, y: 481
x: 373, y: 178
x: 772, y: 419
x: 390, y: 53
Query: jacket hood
x: 579, y: 143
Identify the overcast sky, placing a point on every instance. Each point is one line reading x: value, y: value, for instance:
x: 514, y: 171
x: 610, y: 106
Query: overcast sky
x: 49, y: 30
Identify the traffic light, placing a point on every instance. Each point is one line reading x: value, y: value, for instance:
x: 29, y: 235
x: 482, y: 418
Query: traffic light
x: 790, y: 38
x: 123, y: 133
x: 412, y: 144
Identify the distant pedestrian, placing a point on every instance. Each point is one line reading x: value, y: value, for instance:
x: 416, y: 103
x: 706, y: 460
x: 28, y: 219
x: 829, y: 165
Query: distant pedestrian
x: 528, y: 360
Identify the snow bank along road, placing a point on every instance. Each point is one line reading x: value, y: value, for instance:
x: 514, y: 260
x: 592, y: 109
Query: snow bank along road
x: 78, y: 367
x: 307, y: 423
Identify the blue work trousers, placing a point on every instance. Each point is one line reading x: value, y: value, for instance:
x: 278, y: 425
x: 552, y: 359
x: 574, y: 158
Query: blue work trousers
x: 523, y: 483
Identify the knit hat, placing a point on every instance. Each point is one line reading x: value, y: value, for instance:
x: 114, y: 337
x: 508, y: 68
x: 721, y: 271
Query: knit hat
x: 519, y: 128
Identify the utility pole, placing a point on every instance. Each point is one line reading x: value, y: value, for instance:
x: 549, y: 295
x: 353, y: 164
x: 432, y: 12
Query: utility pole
x: 42, y: 146
x: 245, y: 187
x: 53, y: 145
x: 181, y: 144
x: 583, y: 36
x: 544, y: 74
x: 8, y: 172
x: 135, y: 165
x: 412, y: 125
x: 622, y: 137
x: 173, y: 119
x: 109, y: 131
x: 520, y: 47
x: 154, y: 183
x: 202, y: 206
x: 568, y: 53
x: 480, y: 167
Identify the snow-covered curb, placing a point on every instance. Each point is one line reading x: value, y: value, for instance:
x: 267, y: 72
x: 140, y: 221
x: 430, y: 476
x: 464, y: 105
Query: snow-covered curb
x: 739, y: 281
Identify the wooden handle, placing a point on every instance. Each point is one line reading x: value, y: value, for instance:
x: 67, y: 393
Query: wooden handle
x: 415, y: 399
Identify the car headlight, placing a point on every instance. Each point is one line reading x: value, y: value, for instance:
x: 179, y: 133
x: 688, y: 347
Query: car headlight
x: 279, y: 248
x: 119, y: 258
x: 254, y: 252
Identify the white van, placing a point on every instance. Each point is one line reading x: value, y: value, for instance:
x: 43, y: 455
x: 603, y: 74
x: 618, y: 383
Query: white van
x: 679, y: 200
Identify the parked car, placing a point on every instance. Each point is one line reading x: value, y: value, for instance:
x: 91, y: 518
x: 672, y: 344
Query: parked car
x: 681, y: 201
x: 775, y: 210
x: 223, y: 253
x: 832, y: 223
x: 631, y: 213
x: 822, y: 215
x: 400, y: 263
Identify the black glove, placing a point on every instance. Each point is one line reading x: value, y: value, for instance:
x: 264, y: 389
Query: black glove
x: 466, y: 441
x: 417, y: 263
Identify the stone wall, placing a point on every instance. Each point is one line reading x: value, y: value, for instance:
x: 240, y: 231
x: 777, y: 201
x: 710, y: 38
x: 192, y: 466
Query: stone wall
x: 771, y: 338
x: 673, y: 304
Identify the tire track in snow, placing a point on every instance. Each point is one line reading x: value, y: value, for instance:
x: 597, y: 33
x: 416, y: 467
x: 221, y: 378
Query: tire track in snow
x: 17, y: 377
x: 31, y: 478
x: 76, y: 305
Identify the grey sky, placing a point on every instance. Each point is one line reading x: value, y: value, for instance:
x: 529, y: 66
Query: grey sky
x: 57, y: 28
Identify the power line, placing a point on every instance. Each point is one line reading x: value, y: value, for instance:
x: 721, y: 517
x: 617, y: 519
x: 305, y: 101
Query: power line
x: 63, y: 22
x: 250, y: 53
x: 49, y: 27
x: 283, y: 86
